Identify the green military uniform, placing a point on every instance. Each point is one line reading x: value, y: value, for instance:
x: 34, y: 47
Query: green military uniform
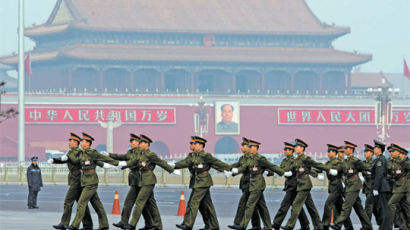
x: 368, y: 190
x: 74, y: 191
x: 303, y: 165
x: 145, y: 163
x: 288, y: 164
x: 199, y: 164
x: 150, y: 212
x: 209, y: 221
x: 244, y: 186
x: 399, y: 174
x: 335, y: 190
x: 89, y: 182
x: 256, y: 164
x: 351, y: 168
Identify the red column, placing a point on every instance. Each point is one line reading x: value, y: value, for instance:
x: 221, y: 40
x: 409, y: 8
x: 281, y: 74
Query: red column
x: 321, y: 80
x: 192, y: 81
x: 132, y: 87
x: 233, y: 80
x: 292, y: 80
x: 70, y: 78
x: 162, y: 80
x: 349, y: 80
x: 101, y: 80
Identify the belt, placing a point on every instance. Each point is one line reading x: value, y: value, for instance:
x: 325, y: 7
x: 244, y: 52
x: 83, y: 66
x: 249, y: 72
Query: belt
x: 149, y: 171
x: 404, y: 178
x: 354, y: 176
x: 88, y: 170
x: 256, y: 175
x: 204, y: 172
x: 303, y: 175
x: 75, y: 171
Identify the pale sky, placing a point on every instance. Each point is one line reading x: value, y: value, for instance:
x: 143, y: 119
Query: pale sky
x: 378, y: 27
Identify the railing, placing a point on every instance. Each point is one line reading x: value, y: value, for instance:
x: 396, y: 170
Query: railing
x: 188, y: 92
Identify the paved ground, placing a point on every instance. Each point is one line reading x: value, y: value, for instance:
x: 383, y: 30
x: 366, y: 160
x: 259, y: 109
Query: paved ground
x: 15, y: 215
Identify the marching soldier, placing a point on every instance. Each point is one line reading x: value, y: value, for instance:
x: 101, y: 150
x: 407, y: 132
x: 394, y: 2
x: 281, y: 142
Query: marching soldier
x: 303, y: 166
x: 287, y: 164
x: 406, y: 165
x: 399, y: 173
x: 34, y: 182
x: 368, y: 182
x: 339, y: 203
x: 351, y: 167
x: 256, y: 164
x: 145, y: 162
x: 74, y: 177
x: 335, y: 188
x: 244, y: 186
x: 88, y: 159
x: 150, y: 211
x: 381, y: 187
x: 200, y: 162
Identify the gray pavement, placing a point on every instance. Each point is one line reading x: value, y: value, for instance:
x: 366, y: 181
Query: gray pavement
x: 15, y: 215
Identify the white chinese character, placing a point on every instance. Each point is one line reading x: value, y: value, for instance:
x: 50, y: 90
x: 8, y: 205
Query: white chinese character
x: 83, y: 115
x: 395, y: 118
x: 335, y: 116
x: 114, y: 115
x: 306, y: 116
x: 291, y: 116
x: 130, y: 115
x: 51, y: 114
x: 99, y: 115
x: 320, y: 117
x: 67, y: 114
x: 35, y: 115
x: 162, y: 115
x: 350, y: 116
x: 364, y: 116
x: 146, y: 113
x: 407, y: 116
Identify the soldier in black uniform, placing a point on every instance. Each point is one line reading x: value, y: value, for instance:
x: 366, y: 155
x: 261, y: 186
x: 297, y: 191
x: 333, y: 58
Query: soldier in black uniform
x: 381, y: 187
x: 34, y: 181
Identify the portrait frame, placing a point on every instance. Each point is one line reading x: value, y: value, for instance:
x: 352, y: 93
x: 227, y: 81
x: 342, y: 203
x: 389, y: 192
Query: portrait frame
x: 221, y: 125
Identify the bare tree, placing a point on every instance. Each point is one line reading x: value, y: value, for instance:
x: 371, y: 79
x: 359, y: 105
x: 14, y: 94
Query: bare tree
x: 10, y: 113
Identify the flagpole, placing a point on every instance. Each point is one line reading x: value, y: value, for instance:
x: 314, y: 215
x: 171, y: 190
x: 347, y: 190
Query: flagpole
x: 21, y: 141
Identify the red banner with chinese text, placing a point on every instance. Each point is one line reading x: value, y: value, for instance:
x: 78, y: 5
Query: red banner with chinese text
x: 327, y: 116
x: 136, y: 115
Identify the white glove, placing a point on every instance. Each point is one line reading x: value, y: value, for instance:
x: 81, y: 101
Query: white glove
x: 288, y: 174
x: 375, y: 193
x: 227, y: 174
x: 107, y: 166
x: 265, y: 173
x: 177, y: 172
x: 362, y: 179
x: 369, y: 173
x: 172, y: 164
x: 333, y: 172
x: 320, y: 177
x: 235, y: 170
x: 50, y: 161
x: 122, y: 164
x: 343, y: 185
x: 64, y: 157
